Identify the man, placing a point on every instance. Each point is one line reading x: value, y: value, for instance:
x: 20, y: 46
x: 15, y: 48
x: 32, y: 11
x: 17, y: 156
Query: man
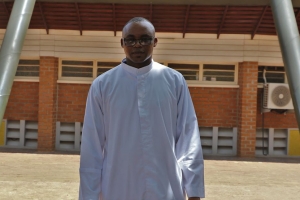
x: 140, y: 136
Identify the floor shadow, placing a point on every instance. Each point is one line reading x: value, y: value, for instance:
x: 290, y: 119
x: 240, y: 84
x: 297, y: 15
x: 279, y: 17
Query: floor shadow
x: 281, y: 159
x: 34, y: 151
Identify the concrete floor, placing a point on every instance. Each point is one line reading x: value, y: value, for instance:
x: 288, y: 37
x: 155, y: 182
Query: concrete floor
x: 55, y: 176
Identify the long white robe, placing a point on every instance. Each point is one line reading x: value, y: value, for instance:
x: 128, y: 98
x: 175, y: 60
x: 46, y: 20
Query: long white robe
x: 140, y: 137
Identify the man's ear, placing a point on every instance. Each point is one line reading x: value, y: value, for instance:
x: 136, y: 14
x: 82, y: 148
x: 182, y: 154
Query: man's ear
x: 155, y: 42
x: 122, y: 45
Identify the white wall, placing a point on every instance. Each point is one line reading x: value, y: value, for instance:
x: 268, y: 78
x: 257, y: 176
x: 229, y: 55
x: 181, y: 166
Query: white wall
x: 194, y: 48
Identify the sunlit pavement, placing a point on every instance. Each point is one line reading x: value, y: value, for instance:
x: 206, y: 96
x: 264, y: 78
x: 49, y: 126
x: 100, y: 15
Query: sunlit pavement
x: 55, y: 176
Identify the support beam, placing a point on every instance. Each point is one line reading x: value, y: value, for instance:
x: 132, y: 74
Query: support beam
x: 78, y: 18
x: 222, y: 21
x: 259, y: 22
x: 114, y: 19
x: 43, y: 17
x: 12, y: 47
x: 288, y: 35
x: 187, y: 13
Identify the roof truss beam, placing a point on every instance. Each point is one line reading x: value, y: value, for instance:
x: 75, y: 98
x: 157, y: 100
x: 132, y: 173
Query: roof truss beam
x: 114, y: 19
x: 6, y: 9
x: 187, y: 13
x: 259, y: 22
x: 78, y: 18
x: 151, y: 11
x: 43, y: 17
x: 297, y: 14
x: 222, y: 21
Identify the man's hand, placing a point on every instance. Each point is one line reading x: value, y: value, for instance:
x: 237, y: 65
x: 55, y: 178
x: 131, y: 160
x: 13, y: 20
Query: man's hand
x: 194, y: 198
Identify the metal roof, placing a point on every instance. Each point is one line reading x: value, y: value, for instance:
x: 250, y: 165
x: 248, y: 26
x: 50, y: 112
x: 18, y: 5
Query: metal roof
x: 178, y: 18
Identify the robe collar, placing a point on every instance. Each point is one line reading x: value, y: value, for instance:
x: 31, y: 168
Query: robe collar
x: 136, y: 71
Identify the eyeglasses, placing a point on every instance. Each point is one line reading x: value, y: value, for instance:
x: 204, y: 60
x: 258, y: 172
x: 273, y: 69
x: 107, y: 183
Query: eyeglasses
x: 130, y: 42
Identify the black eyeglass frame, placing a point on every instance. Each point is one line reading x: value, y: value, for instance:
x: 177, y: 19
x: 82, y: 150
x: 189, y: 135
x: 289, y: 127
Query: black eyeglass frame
x: 149, y: 39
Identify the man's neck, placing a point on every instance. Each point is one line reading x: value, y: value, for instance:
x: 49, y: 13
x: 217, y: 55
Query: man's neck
x: 138, y: 65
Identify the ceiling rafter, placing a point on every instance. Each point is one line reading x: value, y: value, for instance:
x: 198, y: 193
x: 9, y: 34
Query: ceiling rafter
x: 222, y: 21
x: 43, y: 17
x: 205, y: 20
x: 114, y: 19
x: 78, y: 18
x: 151, y: 10
x: 6, y: 9
x: 187, y: 13
x: 259, y: 22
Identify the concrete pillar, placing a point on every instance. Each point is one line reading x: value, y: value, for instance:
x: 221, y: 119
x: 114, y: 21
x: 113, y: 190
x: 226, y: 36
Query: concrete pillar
x: 248, y: 73
x: 47, y: 103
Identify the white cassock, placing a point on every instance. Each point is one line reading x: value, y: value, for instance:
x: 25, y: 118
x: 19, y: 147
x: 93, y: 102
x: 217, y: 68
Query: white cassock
x: 140, y: 137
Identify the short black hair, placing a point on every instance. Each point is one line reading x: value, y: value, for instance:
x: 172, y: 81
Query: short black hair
x: 138, y: 19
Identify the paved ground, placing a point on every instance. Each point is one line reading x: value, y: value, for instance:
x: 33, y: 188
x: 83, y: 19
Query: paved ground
x: 55, y: 176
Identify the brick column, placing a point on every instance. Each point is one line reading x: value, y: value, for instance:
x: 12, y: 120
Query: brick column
x: 247, y: 108
x: 47, y: 103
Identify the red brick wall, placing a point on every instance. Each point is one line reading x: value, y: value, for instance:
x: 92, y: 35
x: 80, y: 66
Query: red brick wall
x: 71, y: 102
x: 274, y: 119
x: 23, y: 102
x: 247, y: 108
x: 47, y: 103
x: 215, y: 106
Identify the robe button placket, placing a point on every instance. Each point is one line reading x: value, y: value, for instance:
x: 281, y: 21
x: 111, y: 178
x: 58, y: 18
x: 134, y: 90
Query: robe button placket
x: 145, y: 128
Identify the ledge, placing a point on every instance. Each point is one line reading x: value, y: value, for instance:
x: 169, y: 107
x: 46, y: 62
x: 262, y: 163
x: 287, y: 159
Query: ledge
x: 26, y: 80
x: 212, y: 86
x: 189, y: 84
x: 74, y: 81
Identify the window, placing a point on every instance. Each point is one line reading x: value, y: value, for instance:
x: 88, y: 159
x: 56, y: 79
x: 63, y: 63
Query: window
x: 105, y: 66
x: 218, y: 72
x: 189, y: 71
x: 83, y: 70
x: 273, y: 74
x: 207, y: 73
x: 28, y: 69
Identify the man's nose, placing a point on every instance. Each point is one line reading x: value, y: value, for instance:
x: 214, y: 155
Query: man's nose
x: 137, y: 43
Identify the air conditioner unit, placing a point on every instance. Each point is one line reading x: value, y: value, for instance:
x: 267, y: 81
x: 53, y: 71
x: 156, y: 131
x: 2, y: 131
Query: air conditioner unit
x: 277, y: 96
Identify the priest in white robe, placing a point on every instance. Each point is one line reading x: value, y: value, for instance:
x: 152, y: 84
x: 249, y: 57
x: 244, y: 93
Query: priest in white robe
x: 140, y: 136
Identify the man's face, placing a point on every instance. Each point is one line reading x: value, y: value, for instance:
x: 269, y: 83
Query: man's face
x: 138, y: 55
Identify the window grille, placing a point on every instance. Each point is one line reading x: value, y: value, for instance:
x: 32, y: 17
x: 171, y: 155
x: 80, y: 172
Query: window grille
x: 68, y: 136
x: 21, y: 134
x: 274, y: 142
x: 218, y: 140
x: 189, y: 71
x: 83, y: 69
x: 28, y: 68
x: 213, y: 72
x: 105, y: 66
x: 273, y: 74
